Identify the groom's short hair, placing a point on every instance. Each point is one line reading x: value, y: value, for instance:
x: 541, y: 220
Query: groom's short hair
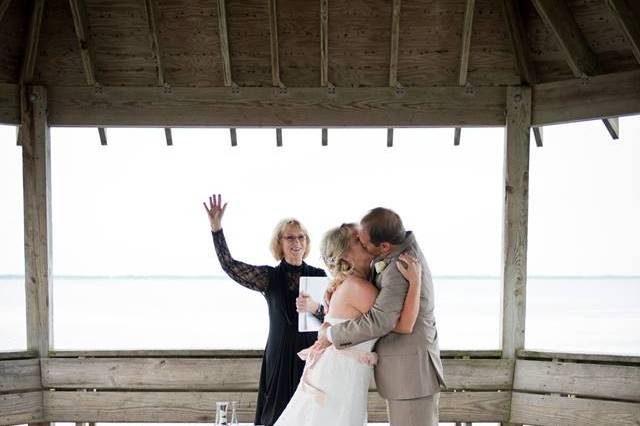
x: 383, y: 226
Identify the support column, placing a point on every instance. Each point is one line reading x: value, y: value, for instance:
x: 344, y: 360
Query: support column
x: 36, y: 175
x: 515, y: 216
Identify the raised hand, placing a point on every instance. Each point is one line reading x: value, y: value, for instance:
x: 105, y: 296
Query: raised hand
x: 215, y: 211
x: 410, y: 268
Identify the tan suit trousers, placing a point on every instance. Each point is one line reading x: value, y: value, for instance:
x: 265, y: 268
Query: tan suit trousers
x: 414, y: 412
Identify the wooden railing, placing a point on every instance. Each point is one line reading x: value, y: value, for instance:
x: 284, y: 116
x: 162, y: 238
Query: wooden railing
x: 183, y: 386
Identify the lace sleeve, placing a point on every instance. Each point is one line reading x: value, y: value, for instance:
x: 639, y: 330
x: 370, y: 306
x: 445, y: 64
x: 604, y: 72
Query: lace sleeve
x: 250, y: 276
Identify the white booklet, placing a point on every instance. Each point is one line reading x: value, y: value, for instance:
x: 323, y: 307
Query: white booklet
x: 314, y: 287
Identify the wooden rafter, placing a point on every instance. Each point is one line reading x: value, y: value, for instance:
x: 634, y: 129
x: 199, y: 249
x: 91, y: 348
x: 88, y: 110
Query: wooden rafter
x: 33, y: 38
x: 538, y: 135
x: 466, y: 42
x: 102, y: 132
x: 151, y: 10
x: 226, y: 59
x: 234, y: 136
x: 273, y: 36
x: 559, y: 20
x: 393, y: 61
x: 152, y: 23
x: 224, y: 42
x: 324, y: 43
x: 81, y: 25
x: 457, y: 133
x: 613, y: 126
x: 324, y: 55
x: 515, y: 25
x: 629, y: 23
x: 168, y: 136
x: 4, y: 5
x: 464, y: 56
x: 395, y: 41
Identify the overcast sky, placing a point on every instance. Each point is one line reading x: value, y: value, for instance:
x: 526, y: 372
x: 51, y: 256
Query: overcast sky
x: 135, y: 206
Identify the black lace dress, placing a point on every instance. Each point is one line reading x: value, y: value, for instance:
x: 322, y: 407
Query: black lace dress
x: 281, y: 367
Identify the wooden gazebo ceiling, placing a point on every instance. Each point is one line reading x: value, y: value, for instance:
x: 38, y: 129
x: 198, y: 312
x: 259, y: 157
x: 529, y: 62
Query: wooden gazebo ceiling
x: 181, y: 43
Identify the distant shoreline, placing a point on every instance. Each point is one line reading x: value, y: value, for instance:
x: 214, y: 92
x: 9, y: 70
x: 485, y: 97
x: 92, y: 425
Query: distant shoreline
x: 218, y: 277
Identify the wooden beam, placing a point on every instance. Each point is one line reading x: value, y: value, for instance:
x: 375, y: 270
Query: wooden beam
x: 466, y: 42
x: 591, y: 358
x: 620, y: 382
x: 33, y: 38
x: 273, y: 37
x: 224, y: 42
x: 36, y: 174
x: 278, y: 137
x: 555, y: 410
x: 395, y: 41
x: 613, y: 127
x: 168, y: 136
x: 609, y: 95
x: 4, y: 5
x: 324, y: 43
x: 226, y: 58
x: 20, y: 375
x: 102, y: 132
x: 9, y: 104
x: 559, y: 20
x: 234, y: 137
x: 176, y: 406
x: 324, y: 55
x: 537, y: 133
x: 81, y: 25
x: 464, y: 57
x: 21, y: 408
x: 629, y: 23
x: 514, y: 257
x: 515, y: 26
x: 226, y: 374
x: 264, y: 107
x: 151, y: 12
x: 219, y: 353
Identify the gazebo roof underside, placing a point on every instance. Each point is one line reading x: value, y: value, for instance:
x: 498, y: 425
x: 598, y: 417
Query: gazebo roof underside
x: 174, y: 51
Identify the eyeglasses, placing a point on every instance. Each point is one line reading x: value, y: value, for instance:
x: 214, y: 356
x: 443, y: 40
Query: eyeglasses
x: 293, y: 238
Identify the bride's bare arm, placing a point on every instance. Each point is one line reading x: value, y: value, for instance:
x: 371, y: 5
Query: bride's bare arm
x: 413, y: 273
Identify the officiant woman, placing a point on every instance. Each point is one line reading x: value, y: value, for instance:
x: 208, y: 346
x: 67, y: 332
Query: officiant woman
x: 281, y: 367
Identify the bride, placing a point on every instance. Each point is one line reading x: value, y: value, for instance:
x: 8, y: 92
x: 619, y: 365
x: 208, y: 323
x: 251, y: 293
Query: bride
x: 334, y: 385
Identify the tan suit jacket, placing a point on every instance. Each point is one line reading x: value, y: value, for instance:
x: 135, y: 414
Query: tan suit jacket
x: 409, y: 365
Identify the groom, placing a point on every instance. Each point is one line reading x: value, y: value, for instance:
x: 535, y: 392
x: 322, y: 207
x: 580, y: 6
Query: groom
x: 409, y: 371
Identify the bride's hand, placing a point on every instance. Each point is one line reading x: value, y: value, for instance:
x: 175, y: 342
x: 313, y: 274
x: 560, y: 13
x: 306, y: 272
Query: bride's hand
x: 215, y: 211
x: 410, y: 268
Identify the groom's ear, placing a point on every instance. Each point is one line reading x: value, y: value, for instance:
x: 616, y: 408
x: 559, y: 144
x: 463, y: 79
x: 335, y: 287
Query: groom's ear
x: 385, y: 247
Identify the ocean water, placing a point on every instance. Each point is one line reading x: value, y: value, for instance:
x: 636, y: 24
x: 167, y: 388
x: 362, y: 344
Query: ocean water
x: 565, y: 314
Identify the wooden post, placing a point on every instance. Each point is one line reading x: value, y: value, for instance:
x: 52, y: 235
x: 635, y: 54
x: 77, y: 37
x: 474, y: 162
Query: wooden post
x: 516, y: 202
x: 36, y: 175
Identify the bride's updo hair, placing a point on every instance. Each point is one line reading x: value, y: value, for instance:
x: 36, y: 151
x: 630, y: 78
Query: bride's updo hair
x: 335, y: 244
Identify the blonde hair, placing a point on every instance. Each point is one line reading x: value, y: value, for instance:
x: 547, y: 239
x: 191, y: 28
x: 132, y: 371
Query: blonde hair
x: 335, y: 244
x: 278, y: 233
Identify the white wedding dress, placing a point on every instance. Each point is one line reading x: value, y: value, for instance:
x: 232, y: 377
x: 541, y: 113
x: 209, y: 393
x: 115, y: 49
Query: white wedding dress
x: 334, y: 387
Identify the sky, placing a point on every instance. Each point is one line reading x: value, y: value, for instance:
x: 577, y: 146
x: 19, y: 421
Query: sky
x: 134, y: 207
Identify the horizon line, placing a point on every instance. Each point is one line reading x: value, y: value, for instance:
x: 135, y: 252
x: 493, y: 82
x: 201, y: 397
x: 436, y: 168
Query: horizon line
x: 200, y: 277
